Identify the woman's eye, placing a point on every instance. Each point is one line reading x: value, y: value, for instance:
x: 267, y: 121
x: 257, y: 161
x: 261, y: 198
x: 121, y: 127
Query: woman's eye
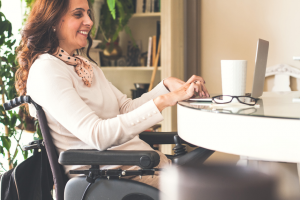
x: 78, y: 15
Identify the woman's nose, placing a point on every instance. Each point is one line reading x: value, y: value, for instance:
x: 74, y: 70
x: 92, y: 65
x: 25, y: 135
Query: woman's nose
x: 87, y: 21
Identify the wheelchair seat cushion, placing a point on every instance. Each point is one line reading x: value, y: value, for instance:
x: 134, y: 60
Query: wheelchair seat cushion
x: 121, y: 189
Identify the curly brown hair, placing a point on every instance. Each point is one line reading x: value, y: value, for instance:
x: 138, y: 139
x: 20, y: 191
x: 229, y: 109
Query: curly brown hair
x: 38, y: 37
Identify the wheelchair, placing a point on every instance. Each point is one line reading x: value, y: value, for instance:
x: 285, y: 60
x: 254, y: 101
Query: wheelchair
x: 107, y: 184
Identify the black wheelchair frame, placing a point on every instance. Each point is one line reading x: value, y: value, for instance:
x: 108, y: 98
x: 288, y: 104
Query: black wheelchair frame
x: 147, y: 160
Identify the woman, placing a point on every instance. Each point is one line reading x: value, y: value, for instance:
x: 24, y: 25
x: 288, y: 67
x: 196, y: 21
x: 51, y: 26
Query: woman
x: 84, y: 110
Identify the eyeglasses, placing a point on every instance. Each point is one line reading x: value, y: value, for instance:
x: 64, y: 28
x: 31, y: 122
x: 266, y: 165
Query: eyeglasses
x: 222, y: 99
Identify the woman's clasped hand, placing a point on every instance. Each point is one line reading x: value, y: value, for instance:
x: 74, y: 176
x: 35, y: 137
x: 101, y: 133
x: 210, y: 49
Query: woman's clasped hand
x: 180, y: 90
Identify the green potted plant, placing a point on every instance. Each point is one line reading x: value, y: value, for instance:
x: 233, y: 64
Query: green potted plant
x: 10, y: 119
x: 114, y: 17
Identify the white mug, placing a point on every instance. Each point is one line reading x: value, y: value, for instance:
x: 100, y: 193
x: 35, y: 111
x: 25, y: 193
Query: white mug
x: 234, y: 73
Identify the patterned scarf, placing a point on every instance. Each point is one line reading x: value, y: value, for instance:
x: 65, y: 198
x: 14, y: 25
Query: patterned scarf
x: 82, y: 66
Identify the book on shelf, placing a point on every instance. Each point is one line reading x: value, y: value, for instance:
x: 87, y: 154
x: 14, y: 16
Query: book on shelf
x: 147, y: 6
x: 152, y: 6
x: 157, y: 38
x: 139, y: 6
x: 149, y: 52
x: 153, y: 49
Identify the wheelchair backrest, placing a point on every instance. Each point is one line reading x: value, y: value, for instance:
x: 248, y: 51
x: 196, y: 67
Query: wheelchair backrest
x: 59, y: 177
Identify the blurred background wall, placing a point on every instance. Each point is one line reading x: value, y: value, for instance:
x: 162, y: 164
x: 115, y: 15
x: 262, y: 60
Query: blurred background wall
x: 229, y: 29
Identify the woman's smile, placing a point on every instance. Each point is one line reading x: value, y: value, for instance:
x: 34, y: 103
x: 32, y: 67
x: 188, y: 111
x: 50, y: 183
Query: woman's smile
x: 84, y: 33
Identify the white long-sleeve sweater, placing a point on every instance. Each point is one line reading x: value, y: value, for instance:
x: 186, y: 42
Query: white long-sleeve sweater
x: 97, y: 117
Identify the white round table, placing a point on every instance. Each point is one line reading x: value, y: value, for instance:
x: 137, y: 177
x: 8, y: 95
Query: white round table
x: 269, y: 131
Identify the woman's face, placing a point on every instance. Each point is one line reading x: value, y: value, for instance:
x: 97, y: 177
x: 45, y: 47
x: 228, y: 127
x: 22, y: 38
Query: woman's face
x: 73, y: 28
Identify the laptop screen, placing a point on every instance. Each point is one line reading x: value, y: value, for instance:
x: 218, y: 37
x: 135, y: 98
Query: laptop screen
x: 260, y: 68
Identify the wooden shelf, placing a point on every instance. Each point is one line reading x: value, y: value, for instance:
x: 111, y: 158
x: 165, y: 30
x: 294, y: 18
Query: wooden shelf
x: 129, y: 68
x: 151, y: 14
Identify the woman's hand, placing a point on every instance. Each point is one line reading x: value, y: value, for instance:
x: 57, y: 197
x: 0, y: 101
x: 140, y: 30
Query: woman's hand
x: 173, y: 83
x: 186, y: 91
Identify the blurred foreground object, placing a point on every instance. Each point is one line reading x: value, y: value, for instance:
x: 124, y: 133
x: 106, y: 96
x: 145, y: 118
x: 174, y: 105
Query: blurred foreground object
x: 215, y: 182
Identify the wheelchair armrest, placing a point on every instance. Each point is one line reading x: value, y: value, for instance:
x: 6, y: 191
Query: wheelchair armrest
x: 161, y: 138
x: 143, y: 159
x: 158, y: 137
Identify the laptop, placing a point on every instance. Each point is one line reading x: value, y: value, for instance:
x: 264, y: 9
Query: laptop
x: 259, y: 73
